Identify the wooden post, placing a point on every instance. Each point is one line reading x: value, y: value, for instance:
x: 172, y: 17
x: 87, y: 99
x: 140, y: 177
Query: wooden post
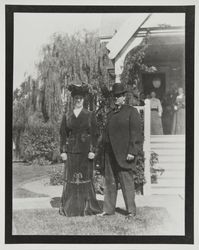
x: 118, y: 69
x: 147, y: 147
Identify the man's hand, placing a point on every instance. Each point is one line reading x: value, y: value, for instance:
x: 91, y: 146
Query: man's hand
x: 91, y: 155
x: 175, y: 108
x: 130, y: 157
x: 64, y: 156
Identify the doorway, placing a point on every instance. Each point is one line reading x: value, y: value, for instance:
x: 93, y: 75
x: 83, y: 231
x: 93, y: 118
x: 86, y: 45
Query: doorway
x: 154, y: 82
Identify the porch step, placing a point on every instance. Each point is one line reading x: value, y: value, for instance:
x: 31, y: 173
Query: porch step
x: 167, y: 145
x: 169, y: 152
x: 167, y: 138
x: 168, y: 182
x: 171, y: 165
x: 168, y: 190
x: 169, y: 174
x: 171, y: 156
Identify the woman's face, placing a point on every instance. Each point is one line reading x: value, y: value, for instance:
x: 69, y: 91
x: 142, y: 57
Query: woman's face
x: 180, y: 91
x: 153, y: 95
x: 78, y: 101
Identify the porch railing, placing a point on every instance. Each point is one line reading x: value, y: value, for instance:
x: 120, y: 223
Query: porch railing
x: 146, y: 146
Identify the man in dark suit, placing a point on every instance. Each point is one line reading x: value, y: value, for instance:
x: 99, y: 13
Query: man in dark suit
x: 122, y: 142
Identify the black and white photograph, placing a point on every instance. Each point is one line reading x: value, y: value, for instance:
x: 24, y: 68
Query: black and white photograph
x: 99, y: 137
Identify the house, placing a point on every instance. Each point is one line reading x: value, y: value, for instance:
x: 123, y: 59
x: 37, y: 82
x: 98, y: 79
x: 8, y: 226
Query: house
x: 166, y: 52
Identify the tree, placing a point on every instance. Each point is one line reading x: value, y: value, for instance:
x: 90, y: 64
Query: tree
x: 41, y: 102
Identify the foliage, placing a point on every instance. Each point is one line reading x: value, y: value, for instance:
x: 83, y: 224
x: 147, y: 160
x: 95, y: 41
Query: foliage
x: 154, y: 168
x: 139, y: 177
x: 67, y: 59
x: 133, y: 66
x: 39, y: 142
x: 153, y: 159
x: 79, y: 57
x: 24, y: 104
x: 56, y: 177
x: 98, y: 182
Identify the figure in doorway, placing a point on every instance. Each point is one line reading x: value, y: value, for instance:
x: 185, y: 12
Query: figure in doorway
x: 156, y: 114
x: 179, y: 114
x: 168, y: 111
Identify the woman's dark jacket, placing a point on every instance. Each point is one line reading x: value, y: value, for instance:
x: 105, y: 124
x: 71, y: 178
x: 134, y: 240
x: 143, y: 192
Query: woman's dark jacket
x: 78, y: 134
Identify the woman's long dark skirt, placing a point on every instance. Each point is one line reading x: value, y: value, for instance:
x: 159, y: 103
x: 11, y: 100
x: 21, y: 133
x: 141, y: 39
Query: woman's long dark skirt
x: 78, y: 197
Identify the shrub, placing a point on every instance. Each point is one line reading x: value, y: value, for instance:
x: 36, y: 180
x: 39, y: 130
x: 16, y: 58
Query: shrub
x: 154, y: 168
x: 98, y: 182
x: 139, y: 178
x: 39, y: 144
x: 56, y: 177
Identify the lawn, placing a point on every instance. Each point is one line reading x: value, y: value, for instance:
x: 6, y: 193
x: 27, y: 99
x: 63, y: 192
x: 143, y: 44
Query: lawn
x: 150, y: 221
x: 23, y: 173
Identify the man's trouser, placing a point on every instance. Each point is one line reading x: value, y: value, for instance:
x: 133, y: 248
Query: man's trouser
x: 114, y: 174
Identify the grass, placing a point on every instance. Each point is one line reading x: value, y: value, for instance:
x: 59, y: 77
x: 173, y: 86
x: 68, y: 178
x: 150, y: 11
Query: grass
x: 23, y: 173
x: 23, y: 193
x: 151, y: 221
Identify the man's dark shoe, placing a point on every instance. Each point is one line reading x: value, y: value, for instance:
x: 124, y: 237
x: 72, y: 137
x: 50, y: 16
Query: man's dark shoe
x: 104, y: 214
x: 130, y: 216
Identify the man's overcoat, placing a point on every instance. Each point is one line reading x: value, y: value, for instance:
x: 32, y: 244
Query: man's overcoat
x: 123, y: 132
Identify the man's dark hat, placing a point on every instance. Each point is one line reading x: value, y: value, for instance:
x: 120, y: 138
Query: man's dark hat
x: 118, y: 88
x: 78, y: 89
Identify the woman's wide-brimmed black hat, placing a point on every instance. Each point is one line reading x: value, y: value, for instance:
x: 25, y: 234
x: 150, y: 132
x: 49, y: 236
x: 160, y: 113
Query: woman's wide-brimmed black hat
x: 118, y: 89
x: 78, y: 89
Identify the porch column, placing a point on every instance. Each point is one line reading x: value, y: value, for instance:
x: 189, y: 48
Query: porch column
x: 147, y: 147
x: 120, y: 58
x: 119, y: 64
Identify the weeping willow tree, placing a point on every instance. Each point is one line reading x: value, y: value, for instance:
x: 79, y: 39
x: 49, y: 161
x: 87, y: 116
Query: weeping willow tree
x: 40, y: 103
x: 24, y: 106
x: 70, y: 59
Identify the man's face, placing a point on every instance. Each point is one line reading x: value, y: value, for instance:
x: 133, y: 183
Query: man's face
x: 78, y: 101
x: 119, y: 99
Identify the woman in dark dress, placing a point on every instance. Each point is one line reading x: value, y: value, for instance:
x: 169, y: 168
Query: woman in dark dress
x: 179, y: 114
x: 78, y: 134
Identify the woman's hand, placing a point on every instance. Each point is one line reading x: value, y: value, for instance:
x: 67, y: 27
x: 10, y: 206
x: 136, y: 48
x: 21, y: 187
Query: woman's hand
x: 64, y: 156
x: 91, y: 155
x: 130, y: 157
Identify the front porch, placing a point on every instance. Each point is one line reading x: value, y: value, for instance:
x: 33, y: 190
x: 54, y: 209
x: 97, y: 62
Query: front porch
x: 165, y: 52
x: 170, y: 150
